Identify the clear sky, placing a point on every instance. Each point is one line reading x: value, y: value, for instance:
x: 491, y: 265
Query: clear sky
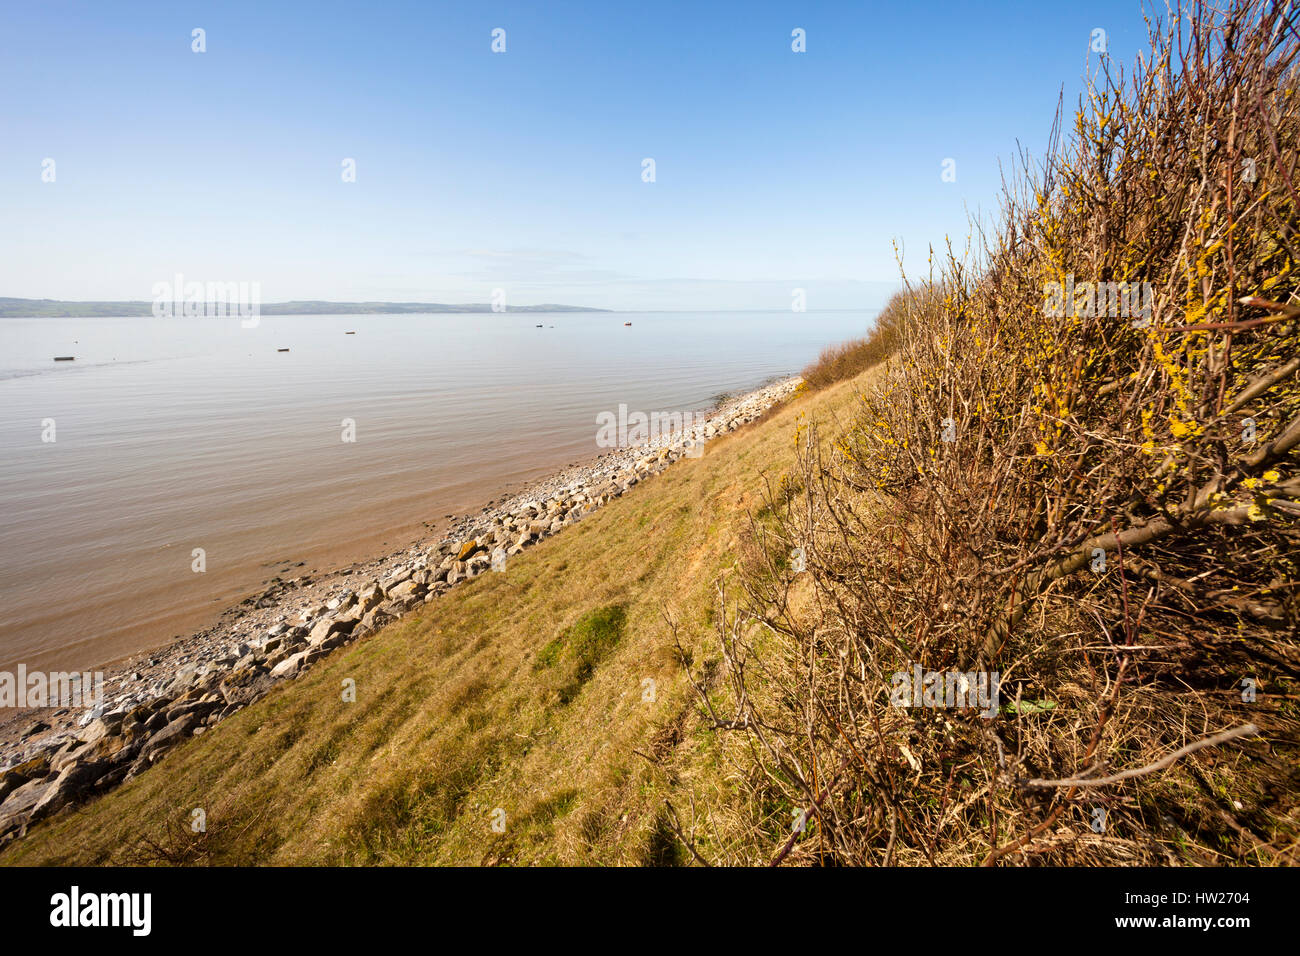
x: 520, y: 170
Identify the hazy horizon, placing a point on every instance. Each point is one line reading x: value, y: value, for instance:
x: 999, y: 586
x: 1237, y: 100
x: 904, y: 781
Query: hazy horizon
x: 451, y: 305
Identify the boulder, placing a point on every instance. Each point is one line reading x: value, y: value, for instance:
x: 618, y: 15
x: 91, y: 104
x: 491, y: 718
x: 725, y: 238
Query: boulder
x: 312, y: 612
x: 289, y: 666
x: 172, y: 734
x: 337, y: 639
x: 397, y: 577
x: 328, y: 628
x: 185, y: 677
x: 32, y: 729
x: 17, y: 809
x: 67, y: 787
x: 200, y: 707
x: 370, y: 597
x: 67, y: 755
x: 102, y: 727
x: 375, y: 620
x: 244, y: 686
x: 23, y: 774
x: 137, y: 716
x: 9, y: 782
x: 406, y: 590
x: 275, y: 658
x: 342, y: 601
x: 104, y: 751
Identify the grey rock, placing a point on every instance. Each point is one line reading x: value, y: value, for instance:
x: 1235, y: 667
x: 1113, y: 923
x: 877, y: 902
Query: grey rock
x: 397, y: 579
x: 200, y: 707
x: 407, y: 589
x: 376, y: 619
x: 173, y: 733
x: 289, y: 666
x: 27, y: 796
x: 370, y: 598
x: 66, y: 788
x: 329, y: 627
x: 32, y: 729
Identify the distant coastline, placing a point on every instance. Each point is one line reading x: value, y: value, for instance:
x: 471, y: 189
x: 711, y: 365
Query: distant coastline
x: 65, y: 309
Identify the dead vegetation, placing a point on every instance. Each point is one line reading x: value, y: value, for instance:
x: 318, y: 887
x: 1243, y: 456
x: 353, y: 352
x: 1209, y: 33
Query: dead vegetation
x: 850, y: 359
x: 1079, y: 472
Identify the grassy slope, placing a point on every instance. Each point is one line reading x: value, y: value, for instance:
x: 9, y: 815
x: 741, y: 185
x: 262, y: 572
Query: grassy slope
x: 521, y: 691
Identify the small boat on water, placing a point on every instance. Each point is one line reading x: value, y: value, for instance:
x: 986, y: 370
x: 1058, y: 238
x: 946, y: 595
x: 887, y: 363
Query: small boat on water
x: 65, y: 358
x: 349, y: 333
x: 627, y: 323
x: 282, y: 350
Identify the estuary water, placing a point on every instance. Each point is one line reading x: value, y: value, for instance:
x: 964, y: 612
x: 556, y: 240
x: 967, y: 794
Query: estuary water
x: 169, y: 435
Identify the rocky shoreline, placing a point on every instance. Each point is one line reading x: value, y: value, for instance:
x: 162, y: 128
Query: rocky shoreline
x: 55, y: 758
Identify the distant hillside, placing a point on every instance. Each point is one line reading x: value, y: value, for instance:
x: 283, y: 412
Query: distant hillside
x: 58, y: 308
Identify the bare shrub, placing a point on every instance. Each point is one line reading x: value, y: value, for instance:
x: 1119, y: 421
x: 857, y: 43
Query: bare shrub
x: 1101, y: 507
x: 848, y: 359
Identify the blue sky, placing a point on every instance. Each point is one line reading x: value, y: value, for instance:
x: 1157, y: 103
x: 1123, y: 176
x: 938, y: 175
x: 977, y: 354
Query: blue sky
x: 519, y: 170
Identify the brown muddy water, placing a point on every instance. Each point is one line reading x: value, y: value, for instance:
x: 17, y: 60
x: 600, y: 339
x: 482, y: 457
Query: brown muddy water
x: 171, y: 435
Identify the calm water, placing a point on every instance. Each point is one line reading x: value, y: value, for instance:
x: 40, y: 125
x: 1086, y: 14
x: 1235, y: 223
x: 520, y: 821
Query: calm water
x: 176, y: 434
